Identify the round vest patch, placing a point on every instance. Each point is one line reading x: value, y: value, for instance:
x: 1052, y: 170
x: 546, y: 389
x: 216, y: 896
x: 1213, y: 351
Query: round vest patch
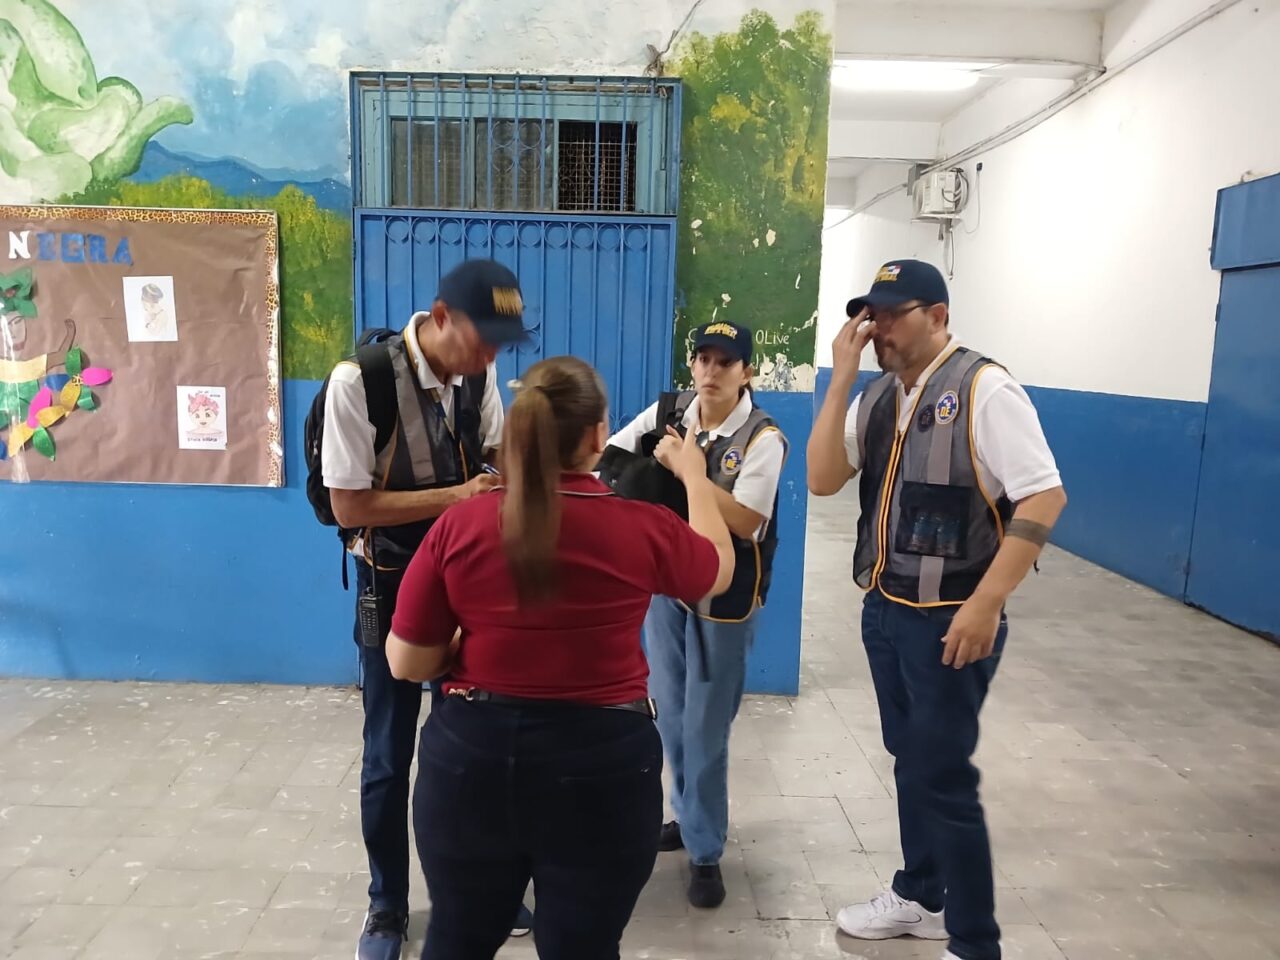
x: 731, y: 462
x: 947, y: 407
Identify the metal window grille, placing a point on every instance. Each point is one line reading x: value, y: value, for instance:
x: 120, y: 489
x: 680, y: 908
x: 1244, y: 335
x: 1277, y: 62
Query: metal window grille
x: 537, y: 144
x: 597, y: 167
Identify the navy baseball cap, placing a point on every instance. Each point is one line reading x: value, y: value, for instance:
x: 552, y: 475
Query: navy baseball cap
x: 489, y: 294
x: 731, y: 338
x: 901, y: 281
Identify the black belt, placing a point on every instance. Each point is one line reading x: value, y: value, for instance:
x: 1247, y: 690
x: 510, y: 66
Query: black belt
x: 474, y: 695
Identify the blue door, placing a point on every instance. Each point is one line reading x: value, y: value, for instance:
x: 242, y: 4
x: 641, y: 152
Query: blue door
x: 571, y: 182
x: 1235, y: 549
x: 600, y: 288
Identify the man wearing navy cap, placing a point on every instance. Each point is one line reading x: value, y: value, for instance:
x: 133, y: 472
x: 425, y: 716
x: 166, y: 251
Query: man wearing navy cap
x: 959, y: 493
x: 409, y: 424
x: 698, y: 657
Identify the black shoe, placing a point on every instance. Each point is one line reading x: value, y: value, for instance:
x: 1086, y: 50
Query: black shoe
x: 669, y: 837
x: 523, y: 924
x: 384, y: 932
x: 706, y: 889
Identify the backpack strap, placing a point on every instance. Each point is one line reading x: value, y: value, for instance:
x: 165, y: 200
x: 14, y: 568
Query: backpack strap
x: 379, y: 391
x: 666, y: 409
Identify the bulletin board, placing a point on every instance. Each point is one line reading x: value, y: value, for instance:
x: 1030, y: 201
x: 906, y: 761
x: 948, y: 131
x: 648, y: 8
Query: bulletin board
x: 140, y: 346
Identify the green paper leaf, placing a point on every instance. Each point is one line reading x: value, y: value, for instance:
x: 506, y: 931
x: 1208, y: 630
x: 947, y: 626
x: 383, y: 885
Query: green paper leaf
x: 87, y: 401
x: 28, y: 389
x: 26, y: 308
x: 75, y: 362
x: 43, y: 442
x: 4, y: 419
x: 20, y: 282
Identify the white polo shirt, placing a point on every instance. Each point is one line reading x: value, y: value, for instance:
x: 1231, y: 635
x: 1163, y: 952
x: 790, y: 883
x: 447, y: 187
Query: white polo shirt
x: 757, y: 482
x: 1013, y: 456
x: 347, y: 460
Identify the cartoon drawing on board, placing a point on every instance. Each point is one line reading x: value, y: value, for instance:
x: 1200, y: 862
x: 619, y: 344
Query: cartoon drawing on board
x: 202, y: 418
x: 149, y: 309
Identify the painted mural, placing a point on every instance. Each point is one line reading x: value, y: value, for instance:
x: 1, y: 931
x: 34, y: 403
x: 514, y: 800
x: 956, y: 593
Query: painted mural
x: 246, y: 107
x: 754, y: 181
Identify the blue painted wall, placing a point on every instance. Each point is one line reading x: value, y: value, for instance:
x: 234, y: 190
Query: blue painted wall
x: 220, y: 584
x: 774, y: 664
x: 175, y: 583
x: 1130, y: 466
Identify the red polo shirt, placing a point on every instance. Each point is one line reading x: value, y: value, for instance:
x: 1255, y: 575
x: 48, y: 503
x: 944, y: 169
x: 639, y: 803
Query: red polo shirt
x: 584, y: 645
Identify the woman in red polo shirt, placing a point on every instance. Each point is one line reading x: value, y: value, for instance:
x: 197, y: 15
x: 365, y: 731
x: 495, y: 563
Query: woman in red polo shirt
x: 542, y: 761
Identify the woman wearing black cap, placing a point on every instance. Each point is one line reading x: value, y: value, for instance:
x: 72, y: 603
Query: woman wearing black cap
x: 698, y: 653
x: 542, y: 761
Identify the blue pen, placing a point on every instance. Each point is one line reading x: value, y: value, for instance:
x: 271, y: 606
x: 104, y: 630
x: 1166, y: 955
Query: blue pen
x: 490, y: 469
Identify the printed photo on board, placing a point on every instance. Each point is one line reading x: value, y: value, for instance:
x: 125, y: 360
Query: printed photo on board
x: 149, y: 309
x: 202, y: 418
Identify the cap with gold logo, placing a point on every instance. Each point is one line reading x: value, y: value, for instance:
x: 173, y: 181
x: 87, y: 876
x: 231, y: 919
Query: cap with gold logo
x: 731, y: 338
x: 899, y: 282
x: 489, y: 294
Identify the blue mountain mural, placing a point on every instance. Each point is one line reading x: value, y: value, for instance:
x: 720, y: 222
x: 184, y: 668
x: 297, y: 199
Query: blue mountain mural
x: 238, y: 178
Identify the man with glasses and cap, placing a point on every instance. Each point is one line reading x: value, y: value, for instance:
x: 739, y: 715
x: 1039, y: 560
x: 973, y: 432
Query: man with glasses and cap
x: 388, y: 482
x: 959, y: 493
x: 698, y: 657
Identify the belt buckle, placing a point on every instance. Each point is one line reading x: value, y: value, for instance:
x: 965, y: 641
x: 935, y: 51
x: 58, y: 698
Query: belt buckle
x: 468, y: 694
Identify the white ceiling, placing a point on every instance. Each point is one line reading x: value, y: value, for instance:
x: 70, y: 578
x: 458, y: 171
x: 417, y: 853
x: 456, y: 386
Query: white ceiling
x: 1073, y: 6
x: 932, y: 106
x: 1032, y: 38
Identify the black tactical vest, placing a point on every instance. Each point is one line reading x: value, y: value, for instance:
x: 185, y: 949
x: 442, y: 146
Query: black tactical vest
x: 424, y: 453
x: 928, y: 530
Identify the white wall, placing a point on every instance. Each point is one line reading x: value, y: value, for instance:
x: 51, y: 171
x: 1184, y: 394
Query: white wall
x: 1089, y: 269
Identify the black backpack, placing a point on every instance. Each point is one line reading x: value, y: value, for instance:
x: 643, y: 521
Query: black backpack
x: 380, y: 394
x: 639, y: 476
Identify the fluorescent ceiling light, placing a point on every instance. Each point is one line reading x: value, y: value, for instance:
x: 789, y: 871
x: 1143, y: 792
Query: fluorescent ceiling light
x: 911, y: 76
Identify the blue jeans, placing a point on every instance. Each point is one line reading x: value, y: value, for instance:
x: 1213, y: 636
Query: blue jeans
x: 390, y: 728
x: 569, y: 796
x: 929, y: 718
x: 695, y: 712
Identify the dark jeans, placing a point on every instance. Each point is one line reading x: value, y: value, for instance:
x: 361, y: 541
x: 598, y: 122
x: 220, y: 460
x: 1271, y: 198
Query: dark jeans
x: 929, y: 717
x: 570, y: 797
x: 390, y: 725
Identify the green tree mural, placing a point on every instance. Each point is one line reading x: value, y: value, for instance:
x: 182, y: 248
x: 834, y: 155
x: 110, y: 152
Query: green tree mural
x: 754, y: 157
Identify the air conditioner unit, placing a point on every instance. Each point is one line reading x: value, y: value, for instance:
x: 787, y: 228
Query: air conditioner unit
x: 938, y: 195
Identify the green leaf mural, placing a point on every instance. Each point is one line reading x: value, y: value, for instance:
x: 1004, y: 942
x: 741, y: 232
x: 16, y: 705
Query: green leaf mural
x: 59, y: 127
x: 754, y: 155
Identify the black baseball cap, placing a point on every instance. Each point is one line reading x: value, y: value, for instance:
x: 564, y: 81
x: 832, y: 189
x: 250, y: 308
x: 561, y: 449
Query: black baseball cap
x: 901, y: 281
x: 489, y: 294
x: 732, y: 338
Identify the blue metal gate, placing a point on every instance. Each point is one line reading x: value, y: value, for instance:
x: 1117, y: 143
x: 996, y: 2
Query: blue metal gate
x: 570, y: 182
x: 600, y: 288
x: 1235, y: 548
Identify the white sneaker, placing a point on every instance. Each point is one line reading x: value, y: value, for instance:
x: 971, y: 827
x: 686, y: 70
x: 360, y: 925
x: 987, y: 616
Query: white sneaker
x: 887, y: 915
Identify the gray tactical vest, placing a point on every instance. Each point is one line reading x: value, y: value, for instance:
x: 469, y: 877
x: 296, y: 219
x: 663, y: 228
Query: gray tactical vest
x: 753, y: 566
x: 424, y: 453
x: 928, y: 531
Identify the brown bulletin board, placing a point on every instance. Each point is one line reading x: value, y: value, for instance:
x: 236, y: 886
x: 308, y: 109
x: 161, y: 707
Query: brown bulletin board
x: 140, y: 345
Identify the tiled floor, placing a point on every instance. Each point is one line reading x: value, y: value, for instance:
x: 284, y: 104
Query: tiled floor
x: 1132, y: 778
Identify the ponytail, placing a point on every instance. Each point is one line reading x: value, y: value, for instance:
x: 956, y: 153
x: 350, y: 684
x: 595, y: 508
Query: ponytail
x: 531, y: 507
x: 559, y: 400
